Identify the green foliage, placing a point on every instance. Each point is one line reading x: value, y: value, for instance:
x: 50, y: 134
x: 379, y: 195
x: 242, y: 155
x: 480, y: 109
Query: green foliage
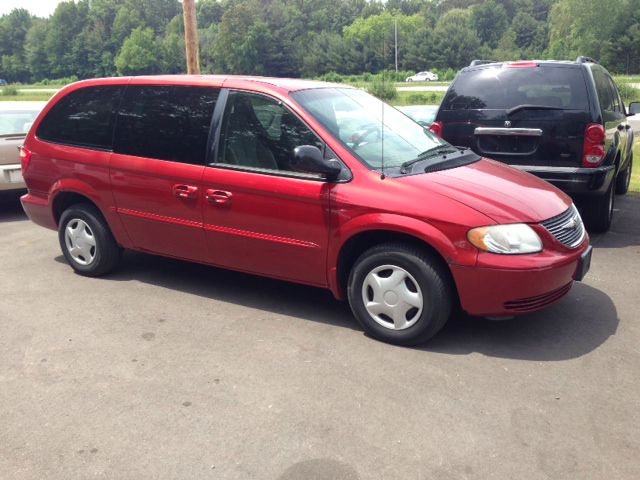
x: 490, y: 22
x: 628, y: 93
x: 9, y: 91
x: 140, y: 53
x: 383, y: 89
x: 310, y: 38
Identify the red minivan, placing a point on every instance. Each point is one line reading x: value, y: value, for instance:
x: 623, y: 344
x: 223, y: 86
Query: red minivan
x: 302, y: 181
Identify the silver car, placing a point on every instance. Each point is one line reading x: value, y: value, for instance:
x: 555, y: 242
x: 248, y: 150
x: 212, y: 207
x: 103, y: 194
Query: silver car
x: 16, y: 119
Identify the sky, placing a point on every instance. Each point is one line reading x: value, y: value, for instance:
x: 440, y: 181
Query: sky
x: 41, y: 8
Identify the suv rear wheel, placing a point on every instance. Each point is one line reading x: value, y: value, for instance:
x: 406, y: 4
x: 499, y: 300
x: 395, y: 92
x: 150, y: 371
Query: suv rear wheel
x: 624, y: 178
x: 399, y: 294
x: 86, y: 241
x: 599, y: 211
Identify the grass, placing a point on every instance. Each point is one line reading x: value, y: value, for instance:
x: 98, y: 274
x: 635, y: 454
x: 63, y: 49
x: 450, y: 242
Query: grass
x: 635, y: 173
x: 27, y: 97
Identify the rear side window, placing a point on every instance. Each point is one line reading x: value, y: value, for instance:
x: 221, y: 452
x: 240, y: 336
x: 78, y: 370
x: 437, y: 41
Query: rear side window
x: 505, y: 87
x: 165, y: 122
x: 83, y: 118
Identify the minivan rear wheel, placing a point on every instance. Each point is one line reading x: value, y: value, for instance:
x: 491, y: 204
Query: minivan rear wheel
x: 86, y: 241
x: 599, y: 211
x: 399, y: 294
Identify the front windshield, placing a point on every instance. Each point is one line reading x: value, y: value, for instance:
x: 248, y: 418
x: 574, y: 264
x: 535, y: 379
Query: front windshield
x: 13, y: 122
x: 369, y: 128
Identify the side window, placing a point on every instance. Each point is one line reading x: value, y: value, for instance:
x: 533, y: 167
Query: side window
x: 605, y: 96
x: 617, y: 102
x: 259, y: 132
x: 165, y: 122
x: 84, y: 118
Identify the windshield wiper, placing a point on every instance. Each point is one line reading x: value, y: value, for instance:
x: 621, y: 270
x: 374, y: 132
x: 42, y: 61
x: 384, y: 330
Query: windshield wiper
x: 531, y: 107
x: 432, y: 152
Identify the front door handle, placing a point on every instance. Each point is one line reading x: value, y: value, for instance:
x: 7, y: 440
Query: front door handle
x: 218, y: 197
x: 185, y: 191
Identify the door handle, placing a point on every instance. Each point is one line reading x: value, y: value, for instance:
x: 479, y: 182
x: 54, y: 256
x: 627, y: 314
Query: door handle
x: 218, y: 197
x: 185, y: 191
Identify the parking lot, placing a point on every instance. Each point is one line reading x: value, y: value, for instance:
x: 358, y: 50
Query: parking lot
x: 175, y: 370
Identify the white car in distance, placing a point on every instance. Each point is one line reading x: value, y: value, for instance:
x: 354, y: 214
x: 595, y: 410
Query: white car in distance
x: 423, y: 77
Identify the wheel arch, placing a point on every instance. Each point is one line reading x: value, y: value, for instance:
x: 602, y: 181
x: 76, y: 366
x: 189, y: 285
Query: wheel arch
x: 418, y: 234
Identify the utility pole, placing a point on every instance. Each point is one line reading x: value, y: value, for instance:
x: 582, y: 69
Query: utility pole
x: 191, y: 37
x: 396, y: 42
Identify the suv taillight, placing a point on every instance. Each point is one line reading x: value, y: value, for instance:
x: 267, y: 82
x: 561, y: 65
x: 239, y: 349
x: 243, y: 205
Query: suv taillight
x: 593, y: 146
x: 25, y: 158
x: 437, y: 128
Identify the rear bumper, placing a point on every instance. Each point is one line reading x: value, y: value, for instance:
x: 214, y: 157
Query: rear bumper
x: 11, y: 177
x: 38, y: 210
x: 517, y: 284
x: 575, y: 180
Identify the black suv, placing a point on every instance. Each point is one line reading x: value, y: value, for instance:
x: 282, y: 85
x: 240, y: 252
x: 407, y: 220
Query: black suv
x: 562, y: 121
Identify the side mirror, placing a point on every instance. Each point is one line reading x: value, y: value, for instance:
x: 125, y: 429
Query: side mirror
x: 308, y: 158
x: 634, y: 107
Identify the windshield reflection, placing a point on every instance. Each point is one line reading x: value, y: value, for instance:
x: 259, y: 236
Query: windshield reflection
x: 369, y: 128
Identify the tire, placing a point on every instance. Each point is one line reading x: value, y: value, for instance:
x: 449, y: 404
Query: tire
x: 624, y: 178
x: 86, y: 241
x: 420, y: 279
x: 599, y: 211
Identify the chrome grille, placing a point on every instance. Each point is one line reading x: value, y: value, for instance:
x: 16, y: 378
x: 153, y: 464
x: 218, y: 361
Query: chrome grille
x: 567, y: 227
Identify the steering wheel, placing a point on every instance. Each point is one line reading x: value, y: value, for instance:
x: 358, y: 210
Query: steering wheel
x: 358, y: 138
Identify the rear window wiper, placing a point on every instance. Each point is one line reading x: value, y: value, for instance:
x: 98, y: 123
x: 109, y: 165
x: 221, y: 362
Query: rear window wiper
x: 531, y: 107
x: 432, y: 152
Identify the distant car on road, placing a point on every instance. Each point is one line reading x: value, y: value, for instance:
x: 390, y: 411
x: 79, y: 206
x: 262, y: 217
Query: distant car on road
x: 423, y: 77
x: 422, y: 114
x: 16, y: 119
x: 3, y: 81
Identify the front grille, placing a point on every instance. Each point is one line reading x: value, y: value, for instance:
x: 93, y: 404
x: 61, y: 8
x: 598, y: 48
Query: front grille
x: 530, y: 304
x: 567, y: 227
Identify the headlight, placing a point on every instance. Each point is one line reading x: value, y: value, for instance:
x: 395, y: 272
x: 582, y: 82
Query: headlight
x: 505, y: 239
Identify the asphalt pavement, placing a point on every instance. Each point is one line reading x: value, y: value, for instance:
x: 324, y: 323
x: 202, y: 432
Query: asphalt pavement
x: 172, y: 370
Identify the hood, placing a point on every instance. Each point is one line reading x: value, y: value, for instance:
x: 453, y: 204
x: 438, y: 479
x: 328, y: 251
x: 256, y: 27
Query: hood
x: 503, y: 193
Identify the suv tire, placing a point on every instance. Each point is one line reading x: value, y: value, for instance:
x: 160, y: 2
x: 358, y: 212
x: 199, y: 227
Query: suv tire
x: 86, y: 241
x: 624, y: 178
x: 400, y: 294
x: 599, y: 211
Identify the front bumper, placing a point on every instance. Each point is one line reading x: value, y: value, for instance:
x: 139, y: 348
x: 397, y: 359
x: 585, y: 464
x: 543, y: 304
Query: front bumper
x: 520, y: 283
x: 576, y: 180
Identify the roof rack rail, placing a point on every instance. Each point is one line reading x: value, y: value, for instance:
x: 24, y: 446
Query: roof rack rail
x: 583, y: 59
x: 480, y: 62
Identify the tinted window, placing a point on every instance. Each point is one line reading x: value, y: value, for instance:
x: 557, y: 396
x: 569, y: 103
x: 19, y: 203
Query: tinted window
x: 165, y: 122
x: 84, y: 118
x: 605, y: 95
x: 506, y: 87
x: 260, y: 132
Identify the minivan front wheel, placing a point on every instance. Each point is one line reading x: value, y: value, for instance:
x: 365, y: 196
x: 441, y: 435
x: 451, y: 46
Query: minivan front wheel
x: 399, y: 294
x: 86, y: 241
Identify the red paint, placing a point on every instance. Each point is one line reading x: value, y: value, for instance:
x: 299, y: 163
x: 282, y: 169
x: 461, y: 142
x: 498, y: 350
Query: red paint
x: 294, y: 228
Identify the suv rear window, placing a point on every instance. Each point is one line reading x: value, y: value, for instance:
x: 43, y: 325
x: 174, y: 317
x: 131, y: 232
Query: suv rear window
x: 83, y: 118
x: 502, y: 88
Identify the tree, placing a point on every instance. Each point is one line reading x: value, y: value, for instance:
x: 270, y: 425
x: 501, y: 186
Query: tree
x: 243, y: 42
x: 455, y: 44
x: 489, y: 20
x: 141, y: 53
